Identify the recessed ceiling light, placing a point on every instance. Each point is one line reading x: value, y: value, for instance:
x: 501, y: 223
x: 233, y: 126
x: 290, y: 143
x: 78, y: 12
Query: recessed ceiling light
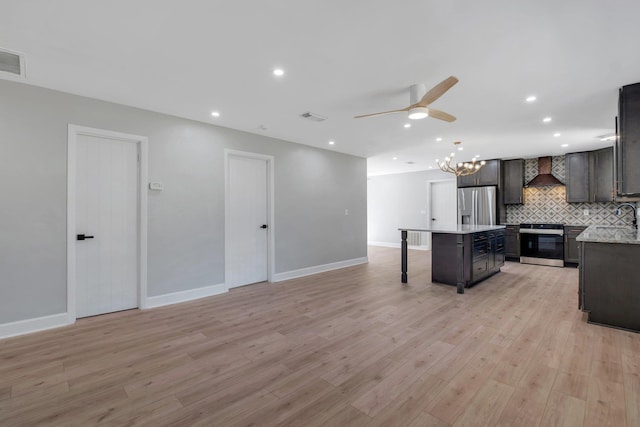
x: 407, y: 125
x: 531, y: 98
x: 438, y: 139
x: 564, y: 145
x: 477, y: 155
x: 557, y: 134
x: 332, y: 142
x: 546, y: 119
x: 460, y: 148
x: 278, y: 72
x: 430, y: 167
x: 395, y: 158
x: 215, y: 114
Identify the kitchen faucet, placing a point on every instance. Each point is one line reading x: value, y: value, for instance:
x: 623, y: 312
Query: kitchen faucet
x: 635, y: 213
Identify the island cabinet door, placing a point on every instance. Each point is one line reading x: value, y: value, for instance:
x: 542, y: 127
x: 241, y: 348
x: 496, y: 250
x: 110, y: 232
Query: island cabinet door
x: 451, y: 258
x: 499, y: 248
x: 444, y: 258
x: 480, y: 255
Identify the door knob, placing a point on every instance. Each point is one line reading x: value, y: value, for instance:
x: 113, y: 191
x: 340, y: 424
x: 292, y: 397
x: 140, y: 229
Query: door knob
x: 83, y: 237
x: 263, y: 226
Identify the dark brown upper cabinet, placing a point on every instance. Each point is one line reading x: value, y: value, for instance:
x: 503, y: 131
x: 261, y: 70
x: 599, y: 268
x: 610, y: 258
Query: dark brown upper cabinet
x: 489, y: 174
x: 577, y: 179
x: 603, y: 178
x: 628, y: 142
x: 589, y: 176
x: 513, y: 175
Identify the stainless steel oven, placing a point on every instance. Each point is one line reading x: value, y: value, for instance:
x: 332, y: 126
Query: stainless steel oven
x: 542, y: 244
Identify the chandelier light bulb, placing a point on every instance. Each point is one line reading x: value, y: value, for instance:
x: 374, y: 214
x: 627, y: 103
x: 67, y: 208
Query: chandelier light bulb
x: 460, y: 168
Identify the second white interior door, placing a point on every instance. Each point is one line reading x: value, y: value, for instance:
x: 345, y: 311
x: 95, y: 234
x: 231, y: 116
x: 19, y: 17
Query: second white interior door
x: 443, y: 204
x: 106, y: 225
x: 247, y: 216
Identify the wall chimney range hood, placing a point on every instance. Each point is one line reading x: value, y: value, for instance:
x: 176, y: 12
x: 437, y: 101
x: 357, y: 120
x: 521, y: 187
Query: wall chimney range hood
x: 544, y: 177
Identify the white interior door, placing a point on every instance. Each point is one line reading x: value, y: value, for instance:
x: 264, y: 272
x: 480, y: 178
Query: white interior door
x: 107, y: 182
x: 247, y: 226
x: 443, y: 203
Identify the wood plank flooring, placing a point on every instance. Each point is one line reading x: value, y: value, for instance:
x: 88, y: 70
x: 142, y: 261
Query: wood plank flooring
x: 351, y: 347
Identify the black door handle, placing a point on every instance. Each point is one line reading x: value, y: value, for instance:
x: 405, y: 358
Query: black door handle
x: 433, y: 219
x: 83, y: 237
x: 263, y: 226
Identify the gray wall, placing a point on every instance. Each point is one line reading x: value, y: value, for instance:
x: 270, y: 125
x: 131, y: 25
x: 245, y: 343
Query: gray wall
x: 399, y: 200
x: 313, y: 188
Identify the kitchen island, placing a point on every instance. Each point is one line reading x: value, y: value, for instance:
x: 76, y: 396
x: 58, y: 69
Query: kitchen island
x: 609, y: 284
x: 461, y: 255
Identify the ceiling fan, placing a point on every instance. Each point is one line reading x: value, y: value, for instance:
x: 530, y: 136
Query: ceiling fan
x: 418, y: 109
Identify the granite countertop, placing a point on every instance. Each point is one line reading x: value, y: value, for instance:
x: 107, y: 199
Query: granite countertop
x: 457, y: 228
x: 609, y: 234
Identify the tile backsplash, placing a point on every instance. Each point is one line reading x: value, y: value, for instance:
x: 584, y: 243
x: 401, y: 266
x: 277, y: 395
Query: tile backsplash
x: 548, y: 204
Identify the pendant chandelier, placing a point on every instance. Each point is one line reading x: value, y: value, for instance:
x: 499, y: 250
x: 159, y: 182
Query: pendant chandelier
x: 461, y: 168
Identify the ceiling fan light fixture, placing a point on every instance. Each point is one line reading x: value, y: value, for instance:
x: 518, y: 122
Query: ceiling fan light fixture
x: 417, y: 113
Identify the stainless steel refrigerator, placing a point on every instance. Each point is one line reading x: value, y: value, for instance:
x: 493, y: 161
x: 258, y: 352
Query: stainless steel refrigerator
x: 477, y: 205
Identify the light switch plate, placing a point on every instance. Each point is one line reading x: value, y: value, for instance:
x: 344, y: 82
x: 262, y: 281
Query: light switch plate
x: 157, y: 186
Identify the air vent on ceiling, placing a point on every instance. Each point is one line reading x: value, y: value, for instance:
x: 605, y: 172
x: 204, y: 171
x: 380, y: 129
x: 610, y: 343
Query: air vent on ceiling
x: 313, y: 116
x: 11, y: 63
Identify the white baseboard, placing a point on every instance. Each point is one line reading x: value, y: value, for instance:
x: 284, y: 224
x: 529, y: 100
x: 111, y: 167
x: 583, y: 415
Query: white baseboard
x: 384, y: 244
x: 183, y: 296
x: 28, y: 326
x: 279, y: 277
x: 397, y: 245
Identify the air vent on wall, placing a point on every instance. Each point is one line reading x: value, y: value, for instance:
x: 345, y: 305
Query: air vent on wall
x: 11, y: 63
x: 313, y: 116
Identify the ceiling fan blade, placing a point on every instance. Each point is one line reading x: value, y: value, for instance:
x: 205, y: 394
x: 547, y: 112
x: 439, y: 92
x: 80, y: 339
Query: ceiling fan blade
x: 437, y: 91
x: 437, y: 114
x: 381, y: 113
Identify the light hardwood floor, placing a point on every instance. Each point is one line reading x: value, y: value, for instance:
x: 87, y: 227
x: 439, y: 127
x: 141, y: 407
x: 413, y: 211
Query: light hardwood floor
x: 351, y: 347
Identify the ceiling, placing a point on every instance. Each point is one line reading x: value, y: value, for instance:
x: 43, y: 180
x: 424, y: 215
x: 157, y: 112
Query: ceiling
x: 344, y: 58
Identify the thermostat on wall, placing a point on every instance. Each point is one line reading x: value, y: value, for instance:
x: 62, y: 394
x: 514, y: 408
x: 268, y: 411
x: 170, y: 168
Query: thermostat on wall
x: 158, y: 186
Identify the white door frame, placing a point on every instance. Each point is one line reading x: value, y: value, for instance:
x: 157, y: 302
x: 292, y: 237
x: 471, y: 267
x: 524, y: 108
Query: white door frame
x: 142, y: 143
x: 270, y: 210
x: 430, y: 202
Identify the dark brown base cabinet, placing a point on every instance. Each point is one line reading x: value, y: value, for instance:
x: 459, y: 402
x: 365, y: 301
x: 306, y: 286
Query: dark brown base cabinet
x: 571, y: 246
x: 463, y: 260
x: 610, y: 284
x: 512, y: 243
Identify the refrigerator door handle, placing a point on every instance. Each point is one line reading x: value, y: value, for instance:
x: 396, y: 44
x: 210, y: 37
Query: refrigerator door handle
x: 474, y: 207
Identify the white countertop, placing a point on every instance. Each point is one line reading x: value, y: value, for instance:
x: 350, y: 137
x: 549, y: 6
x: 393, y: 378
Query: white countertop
x: 457, y: 228
x: 609, y: 234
